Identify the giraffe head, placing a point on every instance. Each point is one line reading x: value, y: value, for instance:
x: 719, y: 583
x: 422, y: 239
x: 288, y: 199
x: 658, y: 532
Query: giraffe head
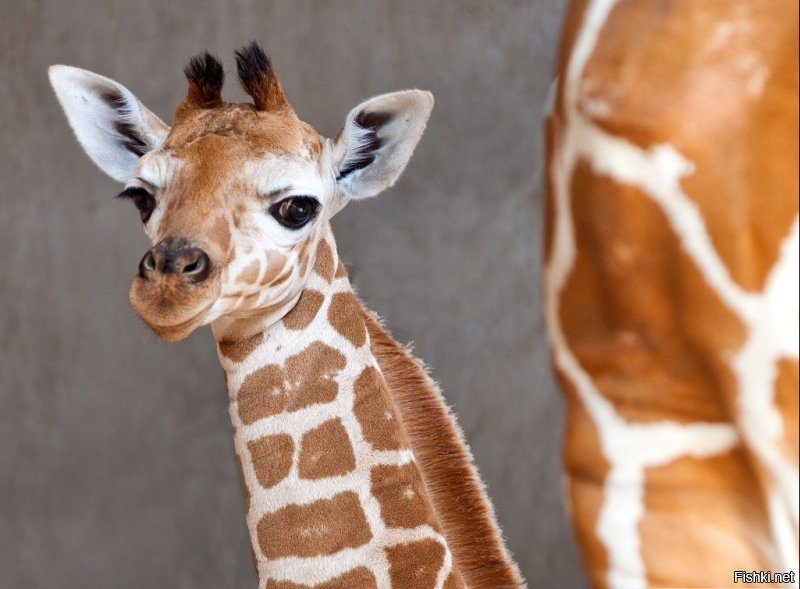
x: 233, y: 197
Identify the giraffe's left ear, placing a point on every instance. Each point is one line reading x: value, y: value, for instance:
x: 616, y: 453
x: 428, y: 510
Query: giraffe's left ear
x: 112, y: 126
x: 377, y: 141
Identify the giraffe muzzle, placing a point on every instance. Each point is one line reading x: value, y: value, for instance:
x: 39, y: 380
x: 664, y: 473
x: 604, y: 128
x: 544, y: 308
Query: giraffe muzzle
x: 175, y: 287
x: 174, y: 257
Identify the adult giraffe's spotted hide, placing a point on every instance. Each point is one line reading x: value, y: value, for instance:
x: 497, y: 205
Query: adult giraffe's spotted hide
x: 672, y: 286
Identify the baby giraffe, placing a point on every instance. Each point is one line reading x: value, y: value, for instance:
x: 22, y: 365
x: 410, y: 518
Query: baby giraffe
x: 355, y: 473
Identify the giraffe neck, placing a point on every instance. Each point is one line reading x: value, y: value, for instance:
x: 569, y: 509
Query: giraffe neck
x: 333, y: 494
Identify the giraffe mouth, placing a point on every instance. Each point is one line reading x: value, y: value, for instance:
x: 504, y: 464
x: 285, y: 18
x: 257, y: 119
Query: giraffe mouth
x: 179, y: 331
x: 173, y: 312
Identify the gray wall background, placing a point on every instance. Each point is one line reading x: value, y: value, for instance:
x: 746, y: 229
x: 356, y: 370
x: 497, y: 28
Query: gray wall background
x: 116, y: 456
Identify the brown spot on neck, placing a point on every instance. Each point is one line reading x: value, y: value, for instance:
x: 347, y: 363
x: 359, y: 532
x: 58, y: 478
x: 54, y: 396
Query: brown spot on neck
x: 343, y: 315
x: 323, y: 527
x: 376, y: 416
x: 305, y: 379
x: 303, y: 313
x: 271, y: 458
x: 402, y: 497
x: 324, y: 263
x: 326, y: 451
x: 415, y: 565
x: 238, y: 350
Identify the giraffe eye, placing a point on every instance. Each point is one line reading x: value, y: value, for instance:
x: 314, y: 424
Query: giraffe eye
x: 142, y: 200
x: 295, y: 212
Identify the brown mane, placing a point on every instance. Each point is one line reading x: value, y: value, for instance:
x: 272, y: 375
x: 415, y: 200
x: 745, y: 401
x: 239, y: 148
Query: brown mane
x: 456, y: 493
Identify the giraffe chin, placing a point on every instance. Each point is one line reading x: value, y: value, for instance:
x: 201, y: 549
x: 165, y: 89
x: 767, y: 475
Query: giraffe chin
x: 179, y: 331
x: 168, y: 320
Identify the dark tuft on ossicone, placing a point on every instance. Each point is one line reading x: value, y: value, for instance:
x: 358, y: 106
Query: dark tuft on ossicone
x: 258, y: 78
x: 253, y: 65
x: 206, y: 76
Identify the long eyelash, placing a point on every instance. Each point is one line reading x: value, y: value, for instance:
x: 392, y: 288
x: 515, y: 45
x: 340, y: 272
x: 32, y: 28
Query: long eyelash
x: 131, y: 191
x: 311, y: 199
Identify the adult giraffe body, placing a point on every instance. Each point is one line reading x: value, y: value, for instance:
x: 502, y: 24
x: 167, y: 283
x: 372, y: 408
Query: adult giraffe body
x: 672, y: 287
x: 355, y: 473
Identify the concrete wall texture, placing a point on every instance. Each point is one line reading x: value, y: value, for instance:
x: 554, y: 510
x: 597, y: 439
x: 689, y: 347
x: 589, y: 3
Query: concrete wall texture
x: 116, y: 456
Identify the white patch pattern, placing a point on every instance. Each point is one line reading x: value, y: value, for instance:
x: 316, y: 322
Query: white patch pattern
x: 279, y: 344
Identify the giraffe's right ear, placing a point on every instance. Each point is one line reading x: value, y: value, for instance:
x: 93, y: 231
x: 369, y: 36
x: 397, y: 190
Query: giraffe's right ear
x: 114, y: 128
x: 377, y: 140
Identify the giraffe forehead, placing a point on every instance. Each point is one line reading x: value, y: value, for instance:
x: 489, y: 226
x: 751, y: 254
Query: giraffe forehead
x: 257, y: 131
x: 215, y: 168
x: 238, y: 147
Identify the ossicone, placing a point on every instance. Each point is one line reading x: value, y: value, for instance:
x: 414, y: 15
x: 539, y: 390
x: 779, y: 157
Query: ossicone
x: 258, y: 78
x: 205, y: 76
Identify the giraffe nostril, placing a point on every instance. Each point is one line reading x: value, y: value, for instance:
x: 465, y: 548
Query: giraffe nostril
x: 147, y: 265
x: 189, y: 268
x: 198, y: 266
